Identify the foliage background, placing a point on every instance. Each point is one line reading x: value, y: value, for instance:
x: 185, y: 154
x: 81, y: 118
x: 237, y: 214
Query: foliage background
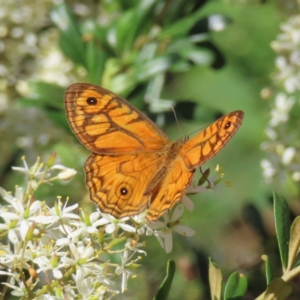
x: 227, y: 224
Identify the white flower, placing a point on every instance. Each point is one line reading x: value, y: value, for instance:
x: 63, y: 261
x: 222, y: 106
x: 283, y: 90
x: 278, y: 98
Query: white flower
x: 126, y: 268
x: 112, y: 223
x: 81, y: 254
x: 186, y: 201
x: 53, y: 67
x: 142, y: 227
x: 287, y: 155
x: 34, y: 171
x: 133, y: 245
x: 271, y: 134
x: 288, y: 62
x: 58, y: 212
x: 84, y: 282
x: 217, y: 22
x: 8, y: 258
x: 8, y: 197
x: 268, y: 170
x: 296, y: 176
x: 87, y: 271
x: 163, y: 230
x: 66, y: 173
x: 280, y: 113
x: 88, y: 226
x: 18, y: 287
x: 17, y: 218
x: 45, y: 264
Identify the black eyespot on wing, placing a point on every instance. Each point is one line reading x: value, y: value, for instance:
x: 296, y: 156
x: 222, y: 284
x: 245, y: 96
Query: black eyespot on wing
x: 227, y: 125
x: 91, y: 101
x: 123, y: 191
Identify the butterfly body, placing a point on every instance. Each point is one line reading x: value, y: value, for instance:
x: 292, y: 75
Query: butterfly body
x: 134, y: 166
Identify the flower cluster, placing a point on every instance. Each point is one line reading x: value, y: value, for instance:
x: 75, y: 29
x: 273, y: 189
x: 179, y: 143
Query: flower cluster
x: 29, y: 52
x: 283, y: 148
x: 66, y: 252
x: 288, y: 60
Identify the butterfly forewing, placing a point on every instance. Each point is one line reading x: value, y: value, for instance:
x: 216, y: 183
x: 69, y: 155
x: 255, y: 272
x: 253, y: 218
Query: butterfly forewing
x: 211, y: 140
x: 107, y: 124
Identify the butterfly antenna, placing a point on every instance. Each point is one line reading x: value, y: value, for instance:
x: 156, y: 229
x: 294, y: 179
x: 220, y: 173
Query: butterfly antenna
x: 175, y: 115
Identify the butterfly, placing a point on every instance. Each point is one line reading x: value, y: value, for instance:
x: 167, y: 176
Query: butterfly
x: 134, y: 165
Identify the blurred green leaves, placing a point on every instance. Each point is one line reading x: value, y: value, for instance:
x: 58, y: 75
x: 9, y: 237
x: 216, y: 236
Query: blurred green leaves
x: 134, y: 44
x: 48, y: 97
x: 288, y: 239
x: 130, y: 49
x: 70, y: 40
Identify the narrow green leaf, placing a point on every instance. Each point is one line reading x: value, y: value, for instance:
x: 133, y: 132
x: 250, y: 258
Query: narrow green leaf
x: 132, y: 24
x: 215, y: 281
x: 100, y: 33
x: 236, y: 286
x: 49, y: 98
x: 181, y: 27
x: 282, y: 225
x: 297, y: 263
x: 165, y: 287
x: 269, y: 269
x: 189, y: 51
x: 294, y: 242
x: 95, y: 62
x: 43, y: 94
x: 71, y: 41
x: 155, y: 66
x: 278, y: 289
x: 117, y: 80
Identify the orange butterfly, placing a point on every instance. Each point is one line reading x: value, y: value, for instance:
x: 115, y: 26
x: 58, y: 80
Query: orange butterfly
x: 134, y: 166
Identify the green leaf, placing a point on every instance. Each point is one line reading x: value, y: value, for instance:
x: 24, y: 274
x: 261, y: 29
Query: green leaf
x: 236, y: 286
x: 48, y: 97
x: 115, y: 79
x: 297, y: 263
x: 71, y: 41
x: 269, y: 270
x: 294, y: 242
x: 100, y: 33
x: 95, y: 62
x: 165, y: 287
x: 189, y: 51
x: 153, y: 67
x: 215, y: 281
x: 282, y: 225
x: 278, y: 289
x: 181, y: 27
x: 132, y: 23
x: 46, y: 94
